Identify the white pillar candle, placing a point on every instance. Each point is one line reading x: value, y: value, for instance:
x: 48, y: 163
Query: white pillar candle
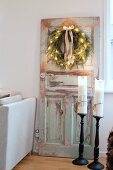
x: 82, y: 94
x: 98, y: 98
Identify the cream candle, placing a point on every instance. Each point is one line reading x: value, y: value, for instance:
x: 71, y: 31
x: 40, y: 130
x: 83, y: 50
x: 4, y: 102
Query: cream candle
x: 82, y: 94
x: 98, y: 98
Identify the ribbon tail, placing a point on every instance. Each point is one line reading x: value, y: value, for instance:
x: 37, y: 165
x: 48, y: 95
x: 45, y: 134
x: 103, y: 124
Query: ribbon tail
x: 66, y: 45
x: 70, y: 59
x: 71, y: 43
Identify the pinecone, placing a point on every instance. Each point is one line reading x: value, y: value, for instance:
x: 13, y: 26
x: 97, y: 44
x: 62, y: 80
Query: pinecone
x: 109, y: 164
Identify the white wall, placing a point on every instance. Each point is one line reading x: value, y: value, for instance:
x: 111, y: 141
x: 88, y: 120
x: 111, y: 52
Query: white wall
x: 111, y: 4
x: 20, y: 37
x: 20, y: 44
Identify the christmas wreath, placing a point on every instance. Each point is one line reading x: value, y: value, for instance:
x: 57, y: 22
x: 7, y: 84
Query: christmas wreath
x: 68, y: 47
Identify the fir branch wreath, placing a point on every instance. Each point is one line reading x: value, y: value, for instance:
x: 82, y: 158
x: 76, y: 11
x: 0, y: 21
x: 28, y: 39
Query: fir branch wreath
x: 68, y: 47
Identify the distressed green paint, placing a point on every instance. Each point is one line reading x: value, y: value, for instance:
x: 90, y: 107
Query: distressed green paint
x: 55, y: 120
x: 59, y: 124
x: 58, y: 131
x: 87, y: 124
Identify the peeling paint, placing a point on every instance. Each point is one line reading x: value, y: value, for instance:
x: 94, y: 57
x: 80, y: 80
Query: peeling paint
x: 59, y: 122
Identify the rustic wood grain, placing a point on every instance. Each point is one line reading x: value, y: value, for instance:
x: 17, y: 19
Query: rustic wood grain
x: 75, y: 72
x: 50, y: 163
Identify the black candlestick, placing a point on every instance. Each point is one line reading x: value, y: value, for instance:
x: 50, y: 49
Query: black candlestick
x: 95, y: 164
x: 80, y: 160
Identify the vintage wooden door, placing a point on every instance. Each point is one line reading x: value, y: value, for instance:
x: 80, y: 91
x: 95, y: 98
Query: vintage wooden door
x: 59, y: 127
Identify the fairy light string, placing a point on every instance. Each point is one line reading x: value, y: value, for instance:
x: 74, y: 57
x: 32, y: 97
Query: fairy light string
x: 68, y: 47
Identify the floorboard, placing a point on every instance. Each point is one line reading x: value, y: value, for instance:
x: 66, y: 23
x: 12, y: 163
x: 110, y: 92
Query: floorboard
x: 50, y: 163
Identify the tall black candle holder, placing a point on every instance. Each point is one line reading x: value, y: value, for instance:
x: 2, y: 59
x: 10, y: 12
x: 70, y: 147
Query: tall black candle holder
x: 80, y: 160
x: 96, y: 165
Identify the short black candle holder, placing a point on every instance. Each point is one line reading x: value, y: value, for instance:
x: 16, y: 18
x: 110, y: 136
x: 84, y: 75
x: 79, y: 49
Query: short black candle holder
x: 96, y: 165
x: 80, y: 160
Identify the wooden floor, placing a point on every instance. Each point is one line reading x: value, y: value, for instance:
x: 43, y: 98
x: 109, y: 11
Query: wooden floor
x: 50, y: 163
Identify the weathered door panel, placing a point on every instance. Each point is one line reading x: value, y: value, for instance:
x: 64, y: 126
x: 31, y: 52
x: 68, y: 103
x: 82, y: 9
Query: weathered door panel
x: 55, y: 120
x: 59, y: 127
